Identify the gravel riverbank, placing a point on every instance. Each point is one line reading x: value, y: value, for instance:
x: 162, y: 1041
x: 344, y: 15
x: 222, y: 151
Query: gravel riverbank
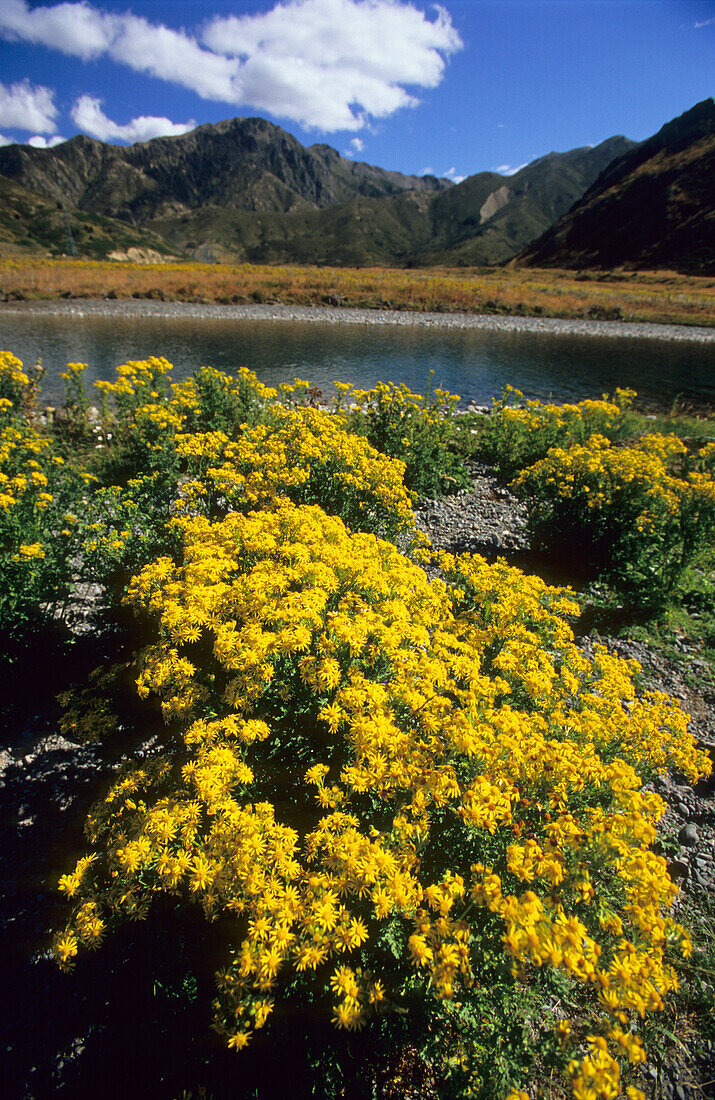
x: 345, y: 315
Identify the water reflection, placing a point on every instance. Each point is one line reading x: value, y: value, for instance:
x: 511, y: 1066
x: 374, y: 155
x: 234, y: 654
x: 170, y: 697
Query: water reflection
x: 475, y: 364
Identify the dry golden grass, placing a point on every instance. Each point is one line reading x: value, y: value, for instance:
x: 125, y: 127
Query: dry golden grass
x: 662, y: 296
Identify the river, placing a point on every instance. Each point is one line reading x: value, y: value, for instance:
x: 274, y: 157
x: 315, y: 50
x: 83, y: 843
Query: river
x: 474, y: 357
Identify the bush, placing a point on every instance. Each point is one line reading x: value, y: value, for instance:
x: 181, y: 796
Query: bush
x: 415, y: 429
x: 402, y: 796
x: 622, y: 512
x: 41, y: 505
x: 386, y: 789
x: 516, y: 436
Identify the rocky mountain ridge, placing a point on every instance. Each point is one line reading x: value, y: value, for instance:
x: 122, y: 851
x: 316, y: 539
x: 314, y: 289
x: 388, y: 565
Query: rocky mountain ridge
x: 246, y: 190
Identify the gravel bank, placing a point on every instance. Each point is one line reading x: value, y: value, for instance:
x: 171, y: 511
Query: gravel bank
x: 347, y: 316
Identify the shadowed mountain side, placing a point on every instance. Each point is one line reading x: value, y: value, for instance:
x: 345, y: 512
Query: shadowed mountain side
x: 652, y: 207
x: 487, y: 218
x: 483, y: 220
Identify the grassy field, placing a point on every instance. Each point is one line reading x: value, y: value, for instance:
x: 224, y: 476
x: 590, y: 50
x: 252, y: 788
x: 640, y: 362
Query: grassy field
x: 662, y: 296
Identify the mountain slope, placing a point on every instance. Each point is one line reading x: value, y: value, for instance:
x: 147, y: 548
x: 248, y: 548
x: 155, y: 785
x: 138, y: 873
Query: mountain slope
x: 33, y: 226
x: 488, y: 218
x: 485, y: 219
x: 652, y: 207
x: 244, y: 189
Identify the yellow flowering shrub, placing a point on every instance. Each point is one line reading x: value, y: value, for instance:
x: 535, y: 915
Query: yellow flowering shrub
x: 15, y: 386
x: 138, y: 382
x: 304, y: 454
x: 404, y: 795
x: 39, y: 525
x: 633, y: 515
x: 213, y: 401
x: 414, y: 428
x: 359, y: 757
x: 520, y: 432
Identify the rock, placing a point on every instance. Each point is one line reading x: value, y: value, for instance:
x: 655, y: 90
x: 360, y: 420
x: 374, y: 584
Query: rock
x: 689, y: 835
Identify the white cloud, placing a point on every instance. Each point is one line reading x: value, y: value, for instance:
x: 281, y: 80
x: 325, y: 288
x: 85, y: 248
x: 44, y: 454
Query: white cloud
x: 451, y: 174
x: 5, y: 140
x: 87, y: 113
x: 25, y: 107
x: 38, y: 142
x: 327, y: 64
x: 510, y: 170
x: 704, y: 23
x: 356, y: 146
x: 80, y: 30
x: 332, y: 64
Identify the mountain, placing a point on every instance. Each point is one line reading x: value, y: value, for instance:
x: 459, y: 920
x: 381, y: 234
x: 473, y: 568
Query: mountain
x: 488, y: 218
x: 485, y: 219
x: 243, y: 163
x: 244, y: 189
x: 653, y: 207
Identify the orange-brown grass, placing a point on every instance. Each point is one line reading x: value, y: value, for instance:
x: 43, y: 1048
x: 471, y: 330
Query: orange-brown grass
x: 663, y: 296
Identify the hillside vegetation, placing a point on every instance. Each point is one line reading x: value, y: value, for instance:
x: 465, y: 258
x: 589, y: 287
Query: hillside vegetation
x: 654, y: 206
x: 245, y: 189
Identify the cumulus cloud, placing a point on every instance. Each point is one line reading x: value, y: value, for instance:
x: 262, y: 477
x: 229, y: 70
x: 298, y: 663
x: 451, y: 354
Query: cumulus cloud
x: 356, y: 146
x: 38, y: 142
x: 87, y: 113
x: 5, y: 140
x: 451, y: 174
x: 327, y: 64
x: 334, y: 63
x: 80, y: 30
x: 24, y: 107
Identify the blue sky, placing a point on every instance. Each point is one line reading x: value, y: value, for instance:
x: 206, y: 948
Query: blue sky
x: 454, y: 88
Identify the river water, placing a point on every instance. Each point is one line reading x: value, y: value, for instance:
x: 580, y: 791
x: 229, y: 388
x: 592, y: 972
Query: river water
x: 475, y: 363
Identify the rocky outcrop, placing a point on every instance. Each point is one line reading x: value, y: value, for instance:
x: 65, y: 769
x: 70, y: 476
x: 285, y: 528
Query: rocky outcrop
x: 494, y: 203
x: 242, y: 163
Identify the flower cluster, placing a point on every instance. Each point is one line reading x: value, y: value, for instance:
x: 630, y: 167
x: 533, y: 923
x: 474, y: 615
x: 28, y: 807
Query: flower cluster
x: 340, y: 715
x: 414, y: 428
x: 633, y: 514
x: 389, y: 786
x: 39, y: 524
x: 518, y: 433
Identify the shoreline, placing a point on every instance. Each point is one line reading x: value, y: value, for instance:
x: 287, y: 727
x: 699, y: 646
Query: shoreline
x: 346, y: 315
